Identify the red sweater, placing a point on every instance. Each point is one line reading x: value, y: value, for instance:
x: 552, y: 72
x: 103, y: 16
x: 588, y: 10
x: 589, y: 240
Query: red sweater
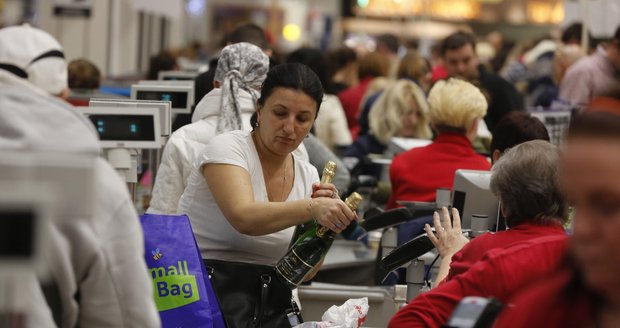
x: 475, y: 249
x: 418, y: 173
x: 559, y: 301
x: 351, y: 99
x: 501, y: 273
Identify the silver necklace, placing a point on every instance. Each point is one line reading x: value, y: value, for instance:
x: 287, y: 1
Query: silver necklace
x: 255, y: 137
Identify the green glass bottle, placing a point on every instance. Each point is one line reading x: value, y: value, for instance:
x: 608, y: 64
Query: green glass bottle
x: 309, y: 250
x: 329, y: 170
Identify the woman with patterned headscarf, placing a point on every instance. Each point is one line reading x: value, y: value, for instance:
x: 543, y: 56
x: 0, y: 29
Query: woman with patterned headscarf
x: 241, y: 70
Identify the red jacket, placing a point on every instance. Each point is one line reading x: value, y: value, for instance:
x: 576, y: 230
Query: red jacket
x: 417, y: 173
x: 559, y: 301
x: 475, y: 249
x: 501, y: 273
x: 351, y: 99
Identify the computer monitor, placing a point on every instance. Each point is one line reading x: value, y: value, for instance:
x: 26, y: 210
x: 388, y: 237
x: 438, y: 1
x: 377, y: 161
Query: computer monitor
x: 472, y: 195
x: 163, y: 106
x: 398, y: 145
x: 130, y: 128
x: 179, y: 93
x: 177, y: 76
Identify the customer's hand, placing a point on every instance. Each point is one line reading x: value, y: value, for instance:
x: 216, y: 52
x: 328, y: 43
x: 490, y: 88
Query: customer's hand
x: 324, y: 190
x: 332, y: 213
x: 448, y: 237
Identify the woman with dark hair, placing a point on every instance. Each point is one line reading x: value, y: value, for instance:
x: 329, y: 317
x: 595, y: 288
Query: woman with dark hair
x: 229, y: 106
x: 248, y: 190
x: 515, y: 128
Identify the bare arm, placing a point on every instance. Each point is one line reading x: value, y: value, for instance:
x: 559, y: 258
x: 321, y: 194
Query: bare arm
x: 232, y: 189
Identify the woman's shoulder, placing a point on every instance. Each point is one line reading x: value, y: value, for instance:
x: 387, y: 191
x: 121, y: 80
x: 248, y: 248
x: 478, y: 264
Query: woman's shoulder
x: 232, y: 147
x: 231, y: 137
x: 228, y: 143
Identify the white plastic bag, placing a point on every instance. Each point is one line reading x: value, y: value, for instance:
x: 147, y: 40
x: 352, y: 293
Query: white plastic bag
x: 351, y: 314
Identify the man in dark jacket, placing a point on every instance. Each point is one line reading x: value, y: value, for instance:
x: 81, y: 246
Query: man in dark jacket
x: 459, y: 54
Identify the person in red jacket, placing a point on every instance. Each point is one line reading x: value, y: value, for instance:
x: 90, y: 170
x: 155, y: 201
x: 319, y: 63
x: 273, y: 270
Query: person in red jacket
x: 531, y: 204
x: 500, y: 274
x: 586, y: 293
x: 525, y: 179
x: 455, y: 108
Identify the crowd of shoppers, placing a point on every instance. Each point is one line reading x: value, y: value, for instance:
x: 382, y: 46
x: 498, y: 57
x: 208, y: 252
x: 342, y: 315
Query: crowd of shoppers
x: 246, y: 168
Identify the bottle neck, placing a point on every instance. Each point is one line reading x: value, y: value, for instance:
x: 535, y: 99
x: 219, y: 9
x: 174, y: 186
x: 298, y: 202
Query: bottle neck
x: 327, y: 178
x: 322, y: 232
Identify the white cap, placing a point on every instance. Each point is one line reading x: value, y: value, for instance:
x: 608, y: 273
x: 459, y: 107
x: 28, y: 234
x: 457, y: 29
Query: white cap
x: 22, y: 46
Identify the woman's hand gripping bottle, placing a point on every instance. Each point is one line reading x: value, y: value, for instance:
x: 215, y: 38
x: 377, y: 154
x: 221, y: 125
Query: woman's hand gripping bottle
x: 309, y: 250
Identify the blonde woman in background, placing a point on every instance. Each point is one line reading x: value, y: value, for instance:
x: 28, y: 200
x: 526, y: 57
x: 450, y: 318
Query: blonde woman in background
x: 456, y: 107
x: 412, y: 67
x: 400, y: 111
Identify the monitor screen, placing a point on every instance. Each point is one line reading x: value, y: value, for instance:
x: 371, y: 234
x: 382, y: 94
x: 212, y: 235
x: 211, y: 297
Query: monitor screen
x: 178, y: 98
x: 162, y: 106
x: 124, y: 127
x: 472, y: 195
x: 17, y: 233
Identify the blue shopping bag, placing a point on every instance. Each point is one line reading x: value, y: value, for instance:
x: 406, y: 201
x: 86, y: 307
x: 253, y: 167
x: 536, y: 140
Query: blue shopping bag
x: 181, y: 287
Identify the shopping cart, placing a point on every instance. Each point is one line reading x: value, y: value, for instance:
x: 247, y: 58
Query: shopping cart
x: 556, y: 120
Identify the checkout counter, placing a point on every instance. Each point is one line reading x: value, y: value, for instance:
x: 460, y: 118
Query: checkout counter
x: 349, y: 267
x: 348, y: 272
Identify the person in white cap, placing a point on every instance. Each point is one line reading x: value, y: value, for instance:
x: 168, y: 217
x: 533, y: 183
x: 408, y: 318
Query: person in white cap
x: 97, y: 263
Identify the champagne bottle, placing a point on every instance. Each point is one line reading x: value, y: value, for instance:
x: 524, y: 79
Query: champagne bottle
x: 327, y: 177
x: 309, y: 250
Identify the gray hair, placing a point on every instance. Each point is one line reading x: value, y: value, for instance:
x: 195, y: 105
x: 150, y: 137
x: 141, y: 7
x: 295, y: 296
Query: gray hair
x: 240, y: 66
x: 525, y: 179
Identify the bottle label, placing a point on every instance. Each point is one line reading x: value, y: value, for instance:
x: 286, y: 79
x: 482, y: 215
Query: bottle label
x: 293, y: 268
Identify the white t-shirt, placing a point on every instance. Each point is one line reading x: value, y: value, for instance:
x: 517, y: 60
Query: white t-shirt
x: 331, y: 123
x: 217, y: 239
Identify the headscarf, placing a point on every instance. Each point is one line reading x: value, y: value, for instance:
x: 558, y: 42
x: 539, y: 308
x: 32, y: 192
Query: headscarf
x: 240, y: 66
x: 33, y: 55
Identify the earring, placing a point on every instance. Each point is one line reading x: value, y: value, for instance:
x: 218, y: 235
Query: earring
x: 257, y: 123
